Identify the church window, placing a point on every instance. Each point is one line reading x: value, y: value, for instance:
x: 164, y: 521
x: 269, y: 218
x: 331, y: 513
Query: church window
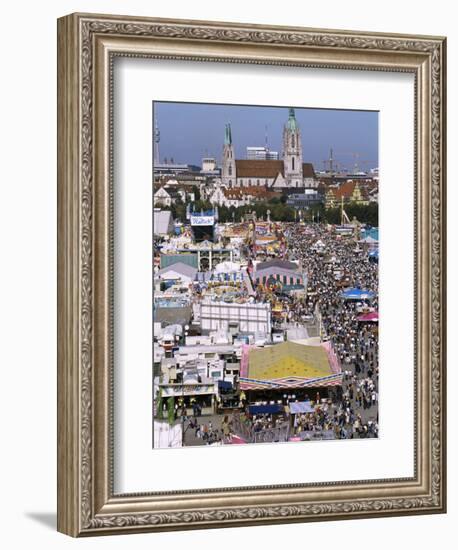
x: 230, y: 169
x: 292, y: 163
x: 293, y: 141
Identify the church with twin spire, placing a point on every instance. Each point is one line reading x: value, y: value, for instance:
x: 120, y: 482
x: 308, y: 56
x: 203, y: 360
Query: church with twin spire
x: 289, y: 173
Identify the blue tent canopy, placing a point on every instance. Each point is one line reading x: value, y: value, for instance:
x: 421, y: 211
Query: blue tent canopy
x: 373, y: 253
x: 357, y: 294
x: 372, y: 232
x: 265, y: 409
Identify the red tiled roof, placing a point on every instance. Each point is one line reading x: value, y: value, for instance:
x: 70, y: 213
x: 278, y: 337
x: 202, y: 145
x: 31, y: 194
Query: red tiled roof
x: 345, y: 190
x: 233, y: 194
x: 258, y: 168
x: 308, y: 170
x: 268, y: 169
x: 238, y: 193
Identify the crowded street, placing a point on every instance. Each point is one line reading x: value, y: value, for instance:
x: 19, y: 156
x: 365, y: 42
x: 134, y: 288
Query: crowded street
x: 265, y: 286
x: 356, y: 414
x: 335, y: 309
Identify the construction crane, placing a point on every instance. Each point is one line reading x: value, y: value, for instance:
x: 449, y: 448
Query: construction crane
x: 358, y: 162
x: 332, y: 164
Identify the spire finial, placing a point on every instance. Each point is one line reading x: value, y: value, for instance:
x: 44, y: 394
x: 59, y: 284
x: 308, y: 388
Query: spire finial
x: 292, y: 122
x: 228, y: 134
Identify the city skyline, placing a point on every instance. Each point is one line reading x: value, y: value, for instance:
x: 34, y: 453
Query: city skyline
x: 192, y: 131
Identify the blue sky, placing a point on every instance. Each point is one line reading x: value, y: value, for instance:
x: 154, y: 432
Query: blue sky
x: 190, y: 131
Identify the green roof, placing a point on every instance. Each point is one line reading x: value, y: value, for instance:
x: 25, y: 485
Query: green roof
x: 228, y: 135
x: 292, y: 122
x: 169, y: 259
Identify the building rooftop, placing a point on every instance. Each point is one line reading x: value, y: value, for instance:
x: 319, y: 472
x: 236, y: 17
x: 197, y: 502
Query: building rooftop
x: 213, y: 348
x: 181, y: 268
x: 268, y: 169
x: 346, y: 189
x: 283, y: 264
x: 288, y: 359
x: 307, y: 170
x: 172, y: 315
x: 162, y: 222
x: 259, y: 168
x: 251, y: 191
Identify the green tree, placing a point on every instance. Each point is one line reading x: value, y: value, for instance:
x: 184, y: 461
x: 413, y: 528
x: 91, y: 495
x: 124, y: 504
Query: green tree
x: 202, y: 205
x: 332, y: 215
x: 159, y: 405
x: 180, y: 213
x: 224, y: 214
x: 364, y: 213
x: 196, y: 192
x: 171, y: 410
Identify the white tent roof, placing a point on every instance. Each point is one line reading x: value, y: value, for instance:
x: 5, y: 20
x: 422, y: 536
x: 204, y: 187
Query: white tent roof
x: 370, y: 240
x: 173, y: 330
x: 162, y: 221
x: 180, y: 269
x: 227, y: 267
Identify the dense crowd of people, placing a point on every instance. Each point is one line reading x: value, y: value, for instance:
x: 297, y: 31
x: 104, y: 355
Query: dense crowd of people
x: 333, y: 263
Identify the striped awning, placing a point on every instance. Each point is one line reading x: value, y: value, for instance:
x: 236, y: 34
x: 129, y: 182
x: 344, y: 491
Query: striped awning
x: 290, y: 382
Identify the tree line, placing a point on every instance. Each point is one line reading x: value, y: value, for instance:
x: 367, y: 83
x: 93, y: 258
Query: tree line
x: 280, y: 212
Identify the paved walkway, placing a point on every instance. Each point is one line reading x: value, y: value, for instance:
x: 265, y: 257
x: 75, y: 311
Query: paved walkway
x: 190, y: 438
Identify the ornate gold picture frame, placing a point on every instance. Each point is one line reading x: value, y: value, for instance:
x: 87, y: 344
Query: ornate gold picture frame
x: 87, y: 46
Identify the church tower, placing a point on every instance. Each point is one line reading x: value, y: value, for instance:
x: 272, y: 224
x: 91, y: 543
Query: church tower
x: 228, y: 174
x: 292, y: 152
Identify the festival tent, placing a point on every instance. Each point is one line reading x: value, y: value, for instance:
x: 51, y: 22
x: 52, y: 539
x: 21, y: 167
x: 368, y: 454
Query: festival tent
x: 357, y: 294
x: 372, y: 232
x: 373, y: 254
x: 369, y: 317
x: 286, y: 366
x: 227, y: 267
x: 369, y: 240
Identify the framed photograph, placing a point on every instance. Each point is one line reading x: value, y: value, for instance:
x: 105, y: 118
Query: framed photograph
x: 251, y: 292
